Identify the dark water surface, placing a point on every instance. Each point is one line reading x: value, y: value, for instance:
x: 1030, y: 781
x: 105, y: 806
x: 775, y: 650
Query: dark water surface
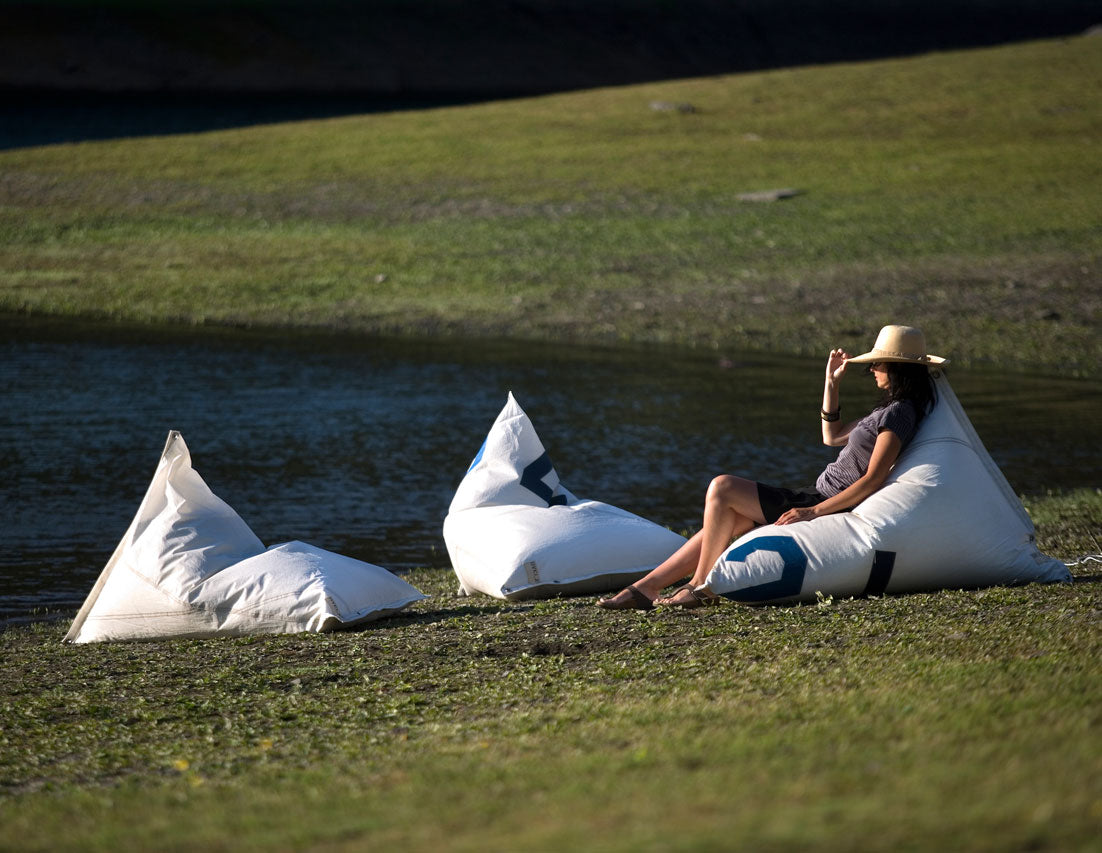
x: 357, y: 445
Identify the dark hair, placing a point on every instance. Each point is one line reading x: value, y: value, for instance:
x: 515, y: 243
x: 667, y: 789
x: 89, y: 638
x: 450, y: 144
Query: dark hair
x: 910, y: 382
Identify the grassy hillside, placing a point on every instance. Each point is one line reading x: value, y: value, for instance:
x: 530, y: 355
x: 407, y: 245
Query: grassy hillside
x: 958, y: 191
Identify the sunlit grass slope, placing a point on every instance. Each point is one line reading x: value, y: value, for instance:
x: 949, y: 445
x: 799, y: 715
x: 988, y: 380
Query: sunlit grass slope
x: 959, y: 191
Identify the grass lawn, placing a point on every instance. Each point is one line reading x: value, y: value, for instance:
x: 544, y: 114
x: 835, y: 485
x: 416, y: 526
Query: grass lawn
x: 951, y: 720
x: 956, y: 191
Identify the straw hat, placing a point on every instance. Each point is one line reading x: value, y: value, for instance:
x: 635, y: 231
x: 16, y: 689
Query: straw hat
x: 900, y: 343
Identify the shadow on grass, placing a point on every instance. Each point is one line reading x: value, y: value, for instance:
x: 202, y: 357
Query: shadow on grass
x: 72, y: 71
x: 440, y: 614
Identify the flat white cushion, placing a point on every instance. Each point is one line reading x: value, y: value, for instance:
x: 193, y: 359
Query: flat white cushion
x: 189, y: 566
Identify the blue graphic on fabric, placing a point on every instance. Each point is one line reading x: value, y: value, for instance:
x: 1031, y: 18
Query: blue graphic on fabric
x: 791, y: 580
x: 532, y: 479
x: 478, y: 456
x: 881, y: 572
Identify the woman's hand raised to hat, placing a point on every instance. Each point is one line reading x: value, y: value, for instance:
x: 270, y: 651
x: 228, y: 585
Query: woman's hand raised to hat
x: 836, y: 366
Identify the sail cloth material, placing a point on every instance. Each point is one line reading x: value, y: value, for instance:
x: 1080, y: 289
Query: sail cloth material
x: 945, y: 519
x: 189, y: 566
x: 514, y: 531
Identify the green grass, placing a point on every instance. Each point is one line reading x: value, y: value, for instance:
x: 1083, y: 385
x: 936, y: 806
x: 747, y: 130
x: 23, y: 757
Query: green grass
x: 956, y: 191
x: 951, y: 720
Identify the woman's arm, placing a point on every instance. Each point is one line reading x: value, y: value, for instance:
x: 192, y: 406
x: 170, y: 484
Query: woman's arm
x: 835, y: 433
x: 884, y: 453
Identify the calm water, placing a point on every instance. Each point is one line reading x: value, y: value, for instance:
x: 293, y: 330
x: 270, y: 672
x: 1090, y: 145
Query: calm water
x: 357, y: 446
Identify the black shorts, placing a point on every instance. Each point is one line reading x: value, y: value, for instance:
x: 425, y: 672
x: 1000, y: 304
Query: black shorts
x: 776, y: 501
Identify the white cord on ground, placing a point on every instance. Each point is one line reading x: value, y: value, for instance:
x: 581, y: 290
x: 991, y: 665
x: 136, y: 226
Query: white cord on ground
x: 1086, y: 558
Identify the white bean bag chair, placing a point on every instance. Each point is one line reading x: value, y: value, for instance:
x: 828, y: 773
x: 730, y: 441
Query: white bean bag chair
x: 513, y: 531
x: 945, y: 519
x: 188, y: 566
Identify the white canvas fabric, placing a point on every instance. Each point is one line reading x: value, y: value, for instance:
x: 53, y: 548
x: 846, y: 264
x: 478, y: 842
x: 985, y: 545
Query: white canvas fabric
x: 945, y: 519
x: 188, y: 566
x: 514, y: 531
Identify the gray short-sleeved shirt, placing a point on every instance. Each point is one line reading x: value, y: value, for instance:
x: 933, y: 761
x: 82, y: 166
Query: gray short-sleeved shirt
x: 899, y: 417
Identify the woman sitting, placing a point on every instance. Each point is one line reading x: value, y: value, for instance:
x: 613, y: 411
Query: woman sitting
x: 870, y: 446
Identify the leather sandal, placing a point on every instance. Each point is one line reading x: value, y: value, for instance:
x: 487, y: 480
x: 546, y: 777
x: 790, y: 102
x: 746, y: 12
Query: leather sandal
x: 690, y: 599
x: 634, y: 600
x: 668, y: 600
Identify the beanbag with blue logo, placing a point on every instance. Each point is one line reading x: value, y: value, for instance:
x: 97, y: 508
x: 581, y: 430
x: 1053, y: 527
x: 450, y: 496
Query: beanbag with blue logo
x: 945, y: 519
x: 514, y: 531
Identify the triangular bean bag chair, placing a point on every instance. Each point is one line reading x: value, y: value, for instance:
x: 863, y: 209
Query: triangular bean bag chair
x: 188, y: 566
x: 946, y: 519
x: 513, y: 531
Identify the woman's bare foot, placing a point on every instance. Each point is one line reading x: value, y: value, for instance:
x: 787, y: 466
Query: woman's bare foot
x: 676, y: 598
x: 689, y: 598
x: 627, y: 599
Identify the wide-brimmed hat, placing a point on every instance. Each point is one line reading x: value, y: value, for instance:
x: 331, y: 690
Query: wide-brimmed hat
x: 900, y: 343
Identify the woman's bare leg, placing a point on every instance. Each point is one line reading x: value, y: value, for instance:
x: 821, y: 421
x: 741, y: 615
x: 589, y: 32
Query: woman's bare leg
x: 731, y: 508
x: 680, y: 564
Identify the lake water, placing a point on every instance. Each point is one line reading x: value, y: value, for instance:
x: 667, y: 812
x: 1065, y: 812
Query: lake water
x: 357, y: 445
